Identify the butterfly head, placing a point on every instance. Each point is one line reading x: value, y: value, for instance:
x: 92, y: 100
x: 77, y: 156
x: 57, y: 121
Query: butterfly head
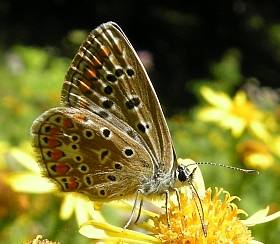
x: 184, y: 174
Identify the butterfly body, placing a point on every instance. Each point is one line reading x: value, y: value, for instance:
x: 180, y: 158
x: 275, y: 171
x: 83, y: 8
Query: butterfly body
x: 109, y: 138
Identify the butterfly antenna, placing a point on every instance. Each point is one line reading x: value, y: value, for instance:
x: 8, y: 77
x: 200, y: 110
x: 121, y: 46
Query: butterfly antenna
x: 199, y: 208
x: 247, y: 171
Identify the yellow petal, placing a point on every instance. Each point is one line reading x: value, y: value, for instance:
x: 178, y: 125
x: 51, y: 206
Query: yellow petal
x: 89, y: 230
x: 256, y: 242
x: 260, y: 131
x: 126, y: 205
x: 236, y: 125
x: 30, y: 183
x: 217, y: 99
x: 259, y: 160
x: 240, y: 98
x: 211, y: 114
x: 275, y: 145
x: 237, y: 130
x: 26, y: 160
x: 67, y: 206
x: 83, y: 208
x: 261, y: 217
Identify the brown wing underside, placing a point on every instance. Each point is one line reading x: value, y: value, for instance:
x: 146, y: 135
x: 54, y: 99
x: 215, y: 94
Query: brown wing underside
x: 107, y: 78
x: 82, y: 152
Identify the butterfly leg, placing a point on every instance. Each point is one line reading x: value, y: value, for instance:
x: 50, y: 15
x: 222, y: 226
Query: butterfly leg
x: 166, y: 207
x: 139, y: 211
x: 199, y: 208
x: 133, y: 209
x: 180, y: 208
x: 178, y: 198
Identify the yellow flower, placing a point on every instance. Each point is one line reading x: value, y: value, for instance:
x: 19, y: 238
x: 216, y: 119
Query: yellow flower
x: 275, y: 145
x: 31, y: 181
x: 221, y: 220
x: 255, y: 154
x: 236, y: 114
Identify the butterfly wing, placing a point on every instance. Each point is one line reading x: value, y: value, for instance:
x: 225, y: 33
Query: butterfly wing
x: 84, y: 153
x: 107, y: 78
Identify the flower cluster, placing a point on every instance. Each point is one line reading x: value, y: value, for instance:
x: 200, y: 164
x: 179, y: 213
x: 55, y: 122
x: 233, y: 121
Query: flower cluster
x: 222, y: 217
x: 255, y: 126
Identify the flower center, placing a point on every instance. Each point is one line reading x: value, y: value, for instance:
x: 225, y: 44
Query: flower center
x: 221, y: 219
x: 246, y: 111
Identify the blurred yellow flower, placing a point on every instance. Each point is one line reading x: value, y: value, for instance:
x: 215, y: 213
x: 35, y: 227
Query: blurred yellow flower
x: 14, y: 104
x: 236, y: 114
x: 31, y: 181
x: 275, y: 145
x: 221, y: 219
x: 255, y: 154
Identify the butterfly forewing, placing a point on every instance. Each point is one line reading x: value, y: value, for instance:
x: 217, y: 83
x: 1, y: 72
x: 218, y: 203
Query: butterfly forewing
x: 85, y: 153
x: 107, y: 78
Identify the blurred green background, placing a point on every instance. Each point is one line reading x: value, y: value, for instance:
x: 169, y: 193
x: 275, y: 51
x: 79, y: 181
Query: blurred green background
x: 231, y: 47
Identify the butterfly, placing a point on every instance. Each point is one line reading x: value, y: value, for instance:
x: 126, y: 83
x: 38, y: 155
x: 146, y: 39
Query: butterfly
x: 109, y: 139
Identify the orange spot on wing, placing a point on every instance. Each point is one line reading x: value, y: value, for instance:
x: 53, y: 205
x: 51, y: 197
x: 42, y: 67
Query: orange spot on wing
x: 54, y: 131
x: 91, y: 74
x: 96, y: 63
x: 62, y: 169
x: 67, y: 123
x: 84, y: 89
x: 104, y: 51
x: 85, y: 86
x: 80, y: 117
x: 57, y: 154
x: 72, y: 185
x: 52, y: 142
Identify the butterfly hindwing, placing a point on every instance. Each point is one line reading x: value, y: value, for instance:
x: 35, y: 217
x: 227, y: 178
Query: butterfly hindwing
x: 107, y: 78
x: 82, y: 152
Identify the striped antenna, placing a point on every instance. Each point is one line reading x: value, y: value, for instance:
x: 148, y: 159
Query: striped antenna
x: 248, y: 171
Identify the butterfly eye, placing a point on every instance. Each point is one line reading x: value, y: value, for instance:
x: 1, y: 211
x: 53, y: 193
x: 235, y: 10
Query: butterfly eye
x: 182, y: 175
